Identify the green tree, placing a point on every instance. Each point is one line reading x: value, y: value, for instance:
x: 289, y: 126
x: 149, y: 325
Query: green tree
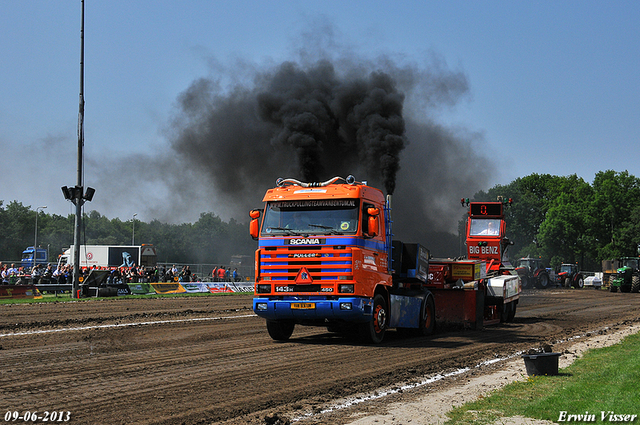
x: 18, y: 226
x: 616, y: 197
x: 565, y: 232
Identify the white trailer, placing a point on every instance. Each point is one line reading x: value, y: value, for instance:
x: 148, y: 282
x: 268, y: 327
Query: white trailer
x: 111, y: 256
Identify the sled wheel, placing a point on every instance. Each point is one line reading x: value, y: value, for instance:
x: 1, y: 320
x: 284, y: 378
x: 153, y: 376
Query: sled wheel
x: 512, y: 312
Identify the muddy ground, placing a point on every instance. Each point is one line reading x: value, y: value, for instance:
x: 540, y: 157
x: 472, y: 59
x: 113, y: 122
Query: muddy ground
x: 205, y: 360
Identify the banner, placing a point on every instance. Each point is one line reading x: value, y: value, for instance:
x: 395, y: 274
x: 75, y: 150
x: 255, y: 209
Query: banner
x: 230, y: 287
x: 215, y: 288
x: 168, y: 288
x: 19, y: 291
x: 141, y: 288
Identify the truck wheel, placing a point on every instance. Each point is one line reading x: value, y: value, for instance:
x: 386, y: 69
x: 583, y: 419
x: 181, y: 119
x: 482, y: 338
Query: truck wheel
x: 635, y: 284
x: 613, y: 288
x: 428, y: 317
x: 579, y: 283
x: 566, y: 283
x: 543, y: 280
x: 280, y: 330
x: 526, y: 283
x: 374, y: 330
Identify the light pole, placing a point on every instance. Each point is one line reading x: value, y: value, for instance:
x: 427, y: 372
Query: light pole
x: 133, y: 235
x: 77, y: 194
x: 35, y: 239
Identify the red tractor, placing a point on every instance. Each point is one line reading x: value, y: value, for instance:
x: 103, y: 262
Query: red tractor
x: 569, y: 276
x: 533, y: 273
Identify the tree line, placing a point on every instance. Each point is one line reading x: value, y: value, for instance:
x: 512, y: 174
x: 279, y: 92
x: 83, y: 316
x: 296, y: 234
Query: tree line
x: 557, y: 218
x: 563, y: 219
x: 209, y: 240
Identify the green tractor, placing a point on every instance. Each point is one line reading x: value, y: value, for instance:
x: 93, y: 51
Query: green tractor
x: 627, y: 276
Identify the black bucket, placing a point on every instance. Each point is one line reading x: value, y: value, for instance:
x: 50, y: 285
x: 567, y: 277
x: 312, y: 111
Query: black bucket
x: 541, y: 363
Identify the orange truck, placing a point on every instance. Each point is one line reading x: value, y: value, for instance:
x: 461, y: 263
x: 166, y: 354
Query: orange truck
x: 326, y: 258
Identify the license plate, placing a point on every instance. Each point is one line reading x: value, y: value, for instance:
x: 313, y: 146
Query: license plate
x: 303, y: 306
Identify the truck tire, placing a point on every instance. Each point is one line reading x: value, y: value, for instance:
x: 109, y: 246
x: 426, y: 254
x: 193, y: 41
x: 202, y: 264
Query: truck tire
x: 373, y: 331
x: 613, y: 288
x: 635, y: 284
x: 427, y: 317
x: 579, y: 283
x: 280, y: 330
x: 543, y: 281
x: 566, y: 283
x: 526, y: 282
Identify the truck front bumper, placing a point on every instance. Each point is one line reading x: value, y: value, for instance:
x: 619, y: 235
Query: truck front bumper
x: 351, y: 309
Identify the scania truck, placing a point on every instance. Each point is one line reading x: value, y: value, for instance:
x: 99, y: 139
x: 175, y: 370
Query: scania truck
x: 326, y: 257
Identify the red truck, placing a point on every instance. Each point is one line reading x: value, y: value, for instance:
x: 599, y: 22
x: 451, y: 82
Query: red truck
x: 326, y: 258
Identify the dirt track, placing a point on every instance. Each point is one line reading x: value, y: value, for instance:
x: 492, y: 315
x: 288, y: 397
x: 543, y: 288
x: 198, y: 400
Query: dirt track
x: 208, y: 360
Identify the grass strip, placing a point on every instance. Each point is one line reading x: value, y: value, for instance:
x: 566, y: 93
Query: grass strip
x: 604, y: 382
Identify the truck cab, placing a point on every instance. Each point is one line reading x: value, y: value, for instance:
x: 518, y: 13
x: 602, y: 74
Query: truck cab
x: 324, y: 259
x: 42, y: 257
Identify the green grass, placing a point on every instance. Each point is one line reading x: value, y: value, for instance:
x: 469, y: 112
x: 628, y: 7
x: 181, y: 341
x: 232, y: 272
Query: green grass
x: 605, y: 379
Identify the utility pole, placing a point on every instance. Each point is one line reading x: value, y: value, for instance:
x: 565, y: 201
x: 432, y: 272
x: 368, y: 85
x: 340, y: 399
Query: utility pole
x: 76, y: 194
x: 133, y: 235
x: 35, y: 241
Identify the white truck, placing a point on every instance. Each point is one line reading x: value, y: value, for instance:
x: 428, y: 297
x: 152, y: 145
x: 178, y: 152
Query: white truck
x: 111, y: 256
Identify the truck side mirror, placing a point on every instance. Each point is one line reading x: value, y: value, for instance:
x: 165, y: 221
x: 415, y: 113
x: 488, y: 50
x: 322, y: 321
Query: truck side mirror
x: 373, y: 224
x: 254, y: 225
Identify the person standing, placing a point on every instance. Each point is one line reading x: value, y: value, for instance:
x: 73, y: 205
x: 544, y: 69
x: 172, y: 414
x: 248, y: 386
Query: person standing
x: 221, y: 274
x: 214, y: 274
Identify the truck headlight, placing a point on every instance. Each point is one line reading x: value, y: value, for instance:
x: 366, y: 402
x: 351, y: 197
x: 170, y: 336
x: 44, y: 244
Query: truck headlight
x: 261, y: 306
x: 263, y: 289
x: 346, y: 288
x: 346, y: 306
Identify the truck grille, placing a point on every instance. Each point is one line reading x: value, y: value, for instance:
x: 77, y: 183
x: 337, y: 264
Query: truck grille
x: 322, y: 262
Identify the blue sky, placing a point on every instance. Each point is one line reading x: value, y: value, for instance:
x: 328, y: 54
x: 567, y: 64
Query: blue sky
x: 553, y: 86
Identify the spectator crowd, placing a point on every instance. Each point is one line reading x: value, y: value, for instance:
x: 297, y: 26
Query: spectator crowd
x: 63, y: 274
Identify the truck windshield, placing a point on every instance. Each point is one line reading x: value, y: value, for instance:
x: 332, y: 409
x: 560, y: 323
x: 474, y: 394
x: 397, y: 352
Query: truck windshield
x: 565, y: 268
x: 311, y: 217
x: 484, y: 226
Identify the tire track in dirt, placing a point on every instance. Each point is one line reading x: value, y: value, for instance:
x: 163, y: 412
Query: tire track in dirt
x: 230, y: 371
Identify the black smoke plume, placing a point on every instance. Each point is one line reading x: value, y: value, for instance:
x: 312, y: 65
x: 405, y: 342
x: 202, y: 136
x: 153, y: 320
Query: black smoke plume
x: 236, y: 131
x: 332, y: 123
